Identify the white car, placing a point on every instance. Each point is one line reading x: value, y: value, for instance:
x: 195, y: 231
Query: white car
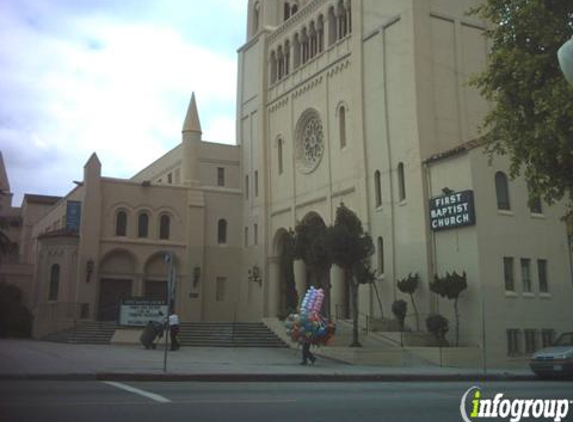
x: 556, y: 360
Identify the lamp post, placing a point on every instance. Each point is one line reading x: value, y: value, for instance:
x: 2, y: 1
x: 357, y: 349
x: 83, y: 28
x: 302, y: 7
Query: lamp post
x: 565, y: 56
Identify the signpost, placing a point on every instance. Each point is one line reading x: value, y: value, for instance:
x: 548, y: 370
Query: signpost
x: 452, y: 210
x: 171, y: 284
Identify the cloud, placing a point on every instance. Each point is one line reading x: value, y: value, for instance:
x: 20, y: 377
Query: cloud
x: 90, y: 79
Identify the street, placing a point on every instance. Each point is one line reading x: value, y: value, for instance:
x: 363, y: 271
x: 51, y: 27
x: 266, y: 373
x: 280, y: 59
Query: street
x: 100, y: 401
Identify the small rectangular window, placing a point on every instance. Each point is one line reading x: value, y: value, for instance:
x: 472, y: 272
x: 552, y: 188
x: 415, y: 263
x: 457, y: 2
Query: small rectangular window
x: 542, y: 275
x: 170, y: 178
x: 256, y: 235
x: 220, y: 176
x: 220, y: 289
x: 526, y: 274
x: 508, y: 274
x: 530, y: 341
x: 256, y: 184
x: 535, y: 206
x: 513, y: 348
x: 547, y: 337
x: 246, y: 237
x: 247, y: 186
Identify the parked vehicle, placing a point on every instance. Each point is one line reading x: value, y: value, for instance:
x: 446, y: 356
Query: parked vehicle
x: 556, y: 360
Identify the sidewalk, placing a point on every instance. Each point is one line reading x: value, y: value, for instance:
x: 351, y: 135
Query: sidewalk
x: 30, y: 359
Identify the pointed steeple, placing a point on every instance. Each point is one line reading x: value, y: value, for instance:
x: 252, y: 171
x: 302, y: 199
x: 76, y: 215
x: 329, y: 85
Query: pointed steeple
x: 4, y: 182
x: 192, y: 123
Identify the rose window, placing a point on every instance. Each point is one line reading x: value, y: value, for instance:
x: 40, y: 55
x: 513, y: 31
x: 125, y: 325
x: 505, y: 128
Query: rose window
x: 310, y: 142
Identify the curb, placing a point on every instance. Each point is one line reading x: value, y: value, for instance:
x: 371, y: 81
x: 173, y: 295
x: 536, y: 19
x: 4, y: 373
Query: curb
x: 172, y: 377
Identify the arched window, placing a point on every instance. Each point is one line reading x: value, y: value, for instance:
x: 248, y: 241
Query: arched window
x: 349, y: 15
x: 380, y: 247
x: 502, y: 191
x: 313, y: 40
x: 342, y: 125
x: 164, y: 226
x: 296, y: 51
x: 305, y: 46
x: 121, y: 224
x: 256, y: 13
x: 287, y: 58
x: 222, y: 231
x: 54, y: 282
x: 143, y: 225
x: 281, y: 63
x: 280, y: 143
x: 401, y: 182
x: 331, y: 26
x: 286, y: 11
x: 378, y: 188
x: 320, y: 33
x: 342, y: 23
x: 273, y: 67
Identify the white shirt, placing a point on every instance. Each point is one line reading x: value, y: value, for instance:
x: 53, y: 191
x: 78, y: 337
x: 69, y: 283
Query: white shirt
x: 173, y: 320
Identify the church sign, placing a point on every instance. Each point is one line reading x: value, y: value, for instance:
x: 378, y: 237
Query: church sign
x: 452, y: 210
x: 137, y: 311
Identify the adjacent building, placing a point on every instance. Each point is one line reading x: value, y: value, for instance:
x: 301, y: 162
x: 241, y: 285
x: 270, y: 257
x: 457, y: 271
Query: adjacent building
x: 361, y: 102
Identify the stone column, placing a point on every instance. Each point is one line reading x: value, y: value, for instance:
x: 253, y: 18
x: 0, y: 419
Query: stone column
x: 137, y: 288
x: 274, y: 287
x: 300, y: 278
x: 337, y: 292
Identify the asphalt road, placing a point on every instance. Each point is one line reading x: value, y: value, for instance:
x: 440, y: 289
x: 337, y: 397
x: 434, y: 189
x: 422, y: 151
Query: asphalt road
x: 87, y: 401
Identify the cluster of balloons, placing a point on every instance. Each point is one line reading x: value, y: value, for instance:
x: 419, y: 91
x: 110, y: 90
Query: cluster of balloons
x: 308, y: 326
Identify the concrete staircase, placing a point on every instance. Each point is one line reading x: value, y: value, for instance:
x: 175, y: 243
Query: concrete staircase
x: 88, y: 332
x: 228, y: 334
x: 192, y: 334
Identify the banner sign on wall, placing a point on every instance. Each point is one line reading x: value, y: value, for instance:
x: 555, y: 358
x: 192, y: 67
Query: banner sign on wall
x: 453, y: 210
x: 138, y: 311
x: 73, y: 216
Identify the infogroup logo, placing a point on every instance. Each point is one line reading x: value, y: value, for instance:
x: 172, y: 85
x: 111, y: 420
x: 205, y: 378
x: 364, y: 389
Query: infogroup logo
x: 512, y: 409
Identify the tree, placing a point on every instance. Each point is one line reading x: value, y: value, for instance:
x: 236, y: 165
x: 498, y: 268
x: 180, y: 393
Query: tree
x: 350, y: 248
x: 451, y: 287
x: 409, y: 285
x: 400, y: 309
x: 532, y: 102
x: 310, y: 246
x: 438, y: 326
x: 365, y: 274
x: 286, y: 259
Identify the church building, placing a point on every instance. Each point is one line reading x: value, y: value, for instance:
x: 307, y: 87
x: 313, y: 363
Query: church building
x: 360, y: 102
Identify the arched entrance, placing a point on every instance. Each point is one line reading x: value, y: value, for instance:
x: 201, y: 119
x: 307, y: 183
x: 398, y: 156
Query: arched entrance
x: 156, y: 277
x: 286, y: 293
x: 117, y: 273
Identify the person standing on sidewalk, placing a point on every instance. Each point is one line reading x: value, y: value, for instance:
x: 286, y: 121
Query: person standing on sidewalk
x: 174, y: 331
x: 306, y: 353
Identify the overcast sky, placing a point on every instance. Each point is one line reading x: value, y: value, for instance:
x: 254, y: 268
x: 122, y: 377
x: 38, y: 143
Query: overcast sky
x: 110, y: 76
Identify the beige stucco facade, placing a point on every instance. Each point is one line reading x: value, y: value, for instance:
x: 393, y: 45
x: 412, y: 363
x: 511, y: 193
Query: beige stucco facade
x: 408, y: 128
x: 361, y: 102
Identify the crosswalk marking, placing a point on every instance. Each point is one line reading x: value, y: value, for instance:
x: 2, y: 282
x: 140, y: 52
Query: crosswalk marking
x: 152, y: 396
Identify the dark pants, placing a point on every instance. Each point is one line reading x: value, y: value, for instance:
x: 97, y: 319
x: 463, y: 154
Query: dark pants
x: 306, y: 353
x: 173, y: 332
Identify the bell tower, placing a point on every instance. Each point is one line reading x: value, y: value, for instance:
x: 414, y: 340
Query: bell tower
x: 270, y: 14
